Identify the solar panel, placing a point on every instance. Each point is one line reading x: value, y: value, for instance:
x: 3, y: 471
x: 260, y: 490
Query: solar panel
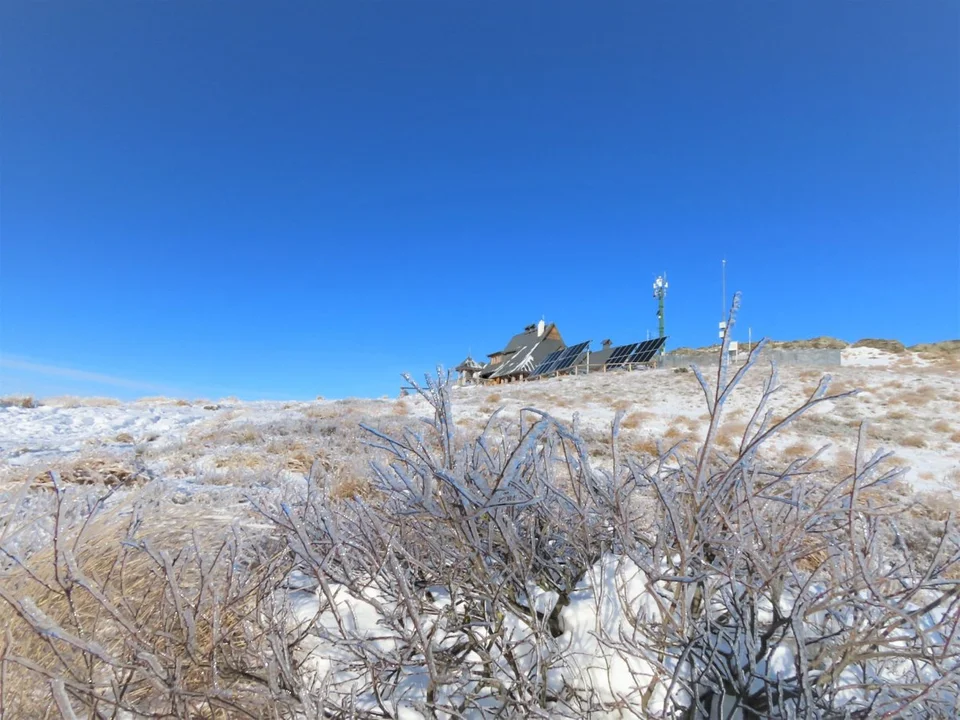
x: 569, y: 356
x: 546, y: 362
x: 553, y: 363
x: 646, y: 351
x: 620, y: 355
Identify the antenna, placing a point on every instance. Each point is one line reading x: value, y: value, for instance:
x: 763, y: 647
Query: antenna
x: 723, y: 289
x: 660, y: 292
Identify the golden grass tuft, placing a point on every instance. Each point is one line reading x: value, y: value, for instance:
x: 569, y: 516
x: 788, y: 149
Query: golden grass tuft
x: 95, y: 470
x: 730, y: 435
x: 942, y: 426
x: 799, y: 450
x: 20, y: 401
x: 494, y: 397
x: 811, y: 554
x: 915, y: 398
x: 73, y: 401
x: 321, y: 412
x: 239, y: 461
x: 955, y: 437
x: 635, y: 419
x: 914, y: 440
x: 401, y: 408
x: 125, y: 577
x: 349, y: 487
x: 644, y: 445
x: 844, y: 462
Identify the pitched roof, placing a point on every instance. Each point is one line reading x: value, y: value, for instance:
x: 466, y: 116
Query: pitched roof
x: 598, y: 358
x: 468, y: 364
x: 524, y: 352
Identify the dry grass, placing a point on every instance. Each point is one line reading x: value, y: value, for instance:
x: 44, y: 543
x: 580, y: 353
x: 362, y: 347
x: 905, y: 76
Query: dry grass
x: 72, y: 401
x: 112, y: 570
x: 897, y: 415
x: 125, y: 438
x: 947, y: 348
x: 622, y: 405
x: 914, y: 440
x: 644, y: 445
x: 323, y: 412
x: 92, y: 470
x: 730, y: 435
x: 20, y: 401
x: 299, y: 461
x: 942, y: 426
x: 494, y: 397
x: 346, y: 487
x: 240, y: 461
x: 844, y: 462
x: 798, y: 450
x: 673, y: 434
x: 892, y: 346
x: 955, y: 437
x: 915, y: 398
x: 635, y: 419
x: 400, y: 408
x: 223, y: 434
x: 839, y: 386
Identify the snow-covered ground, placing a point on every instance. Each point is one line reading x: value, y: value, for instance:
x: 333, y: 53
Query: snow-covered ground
x: 912, y: 406
x: 211, y: 461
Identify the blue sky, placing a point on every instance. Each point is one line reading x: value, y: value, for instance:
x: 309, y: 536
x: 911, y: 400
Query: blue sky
x: 285, y: 199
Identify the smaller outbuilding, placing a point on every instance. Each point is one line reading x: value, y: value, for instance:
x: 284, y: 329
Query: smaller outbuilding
x: 468, y: 372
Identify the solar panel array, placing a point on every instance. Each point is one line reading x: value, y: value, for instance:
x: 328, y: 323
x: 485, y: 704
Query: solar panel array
x: 547, y: 362
x: 647, y: 350
x: 569, y: 356
x: 636, y: 354
x: 560, y: 360
x: 619, y: 355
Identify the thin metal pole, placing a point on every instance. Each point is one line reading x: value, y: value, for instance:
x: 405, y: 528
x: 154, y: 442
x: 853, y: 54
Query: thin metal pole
x: 723, y: 291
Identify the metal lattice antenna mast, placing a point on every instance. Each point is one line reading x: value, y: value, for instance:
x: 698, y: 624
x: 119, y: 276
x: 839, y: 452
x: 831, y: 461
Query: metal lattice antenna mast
x: 660, y: 292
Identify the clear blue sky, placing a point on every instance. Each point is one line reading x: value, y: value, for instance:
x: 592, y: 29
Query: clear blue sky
x: 285, y: 199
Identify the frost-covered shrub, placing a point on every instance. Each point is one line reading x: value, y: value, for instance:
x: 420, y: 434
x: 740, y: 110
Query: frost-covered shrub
x: 510, y: 575
x: 514, y: 573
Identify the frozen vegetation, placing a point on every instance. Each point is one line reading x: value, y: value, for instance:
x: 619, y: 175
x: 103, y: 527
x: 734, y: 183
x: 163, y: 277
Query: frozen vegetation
x: 736, y: 544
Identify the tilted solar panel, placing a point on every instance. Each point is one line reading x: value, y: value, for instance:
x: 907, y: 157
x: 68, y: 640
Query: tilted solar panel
x: 646, y: 351
x: 620, y: 355
x: 569, y: 356
x: 545, y: 363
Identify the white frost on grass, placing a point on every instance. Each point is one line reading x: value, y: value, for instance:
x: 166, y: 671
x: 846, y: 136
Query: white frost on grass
x: 867, y: 357
x: 47, y: 430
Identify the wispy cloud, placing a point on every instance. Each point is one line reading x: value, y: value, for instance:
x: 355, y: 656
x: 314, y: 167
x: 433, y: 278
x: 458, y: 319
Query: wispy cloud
x: 24, y: 365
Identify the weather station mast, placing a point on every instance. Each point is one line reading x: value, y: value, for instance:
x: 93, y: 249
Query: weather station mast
x: 660, y: 292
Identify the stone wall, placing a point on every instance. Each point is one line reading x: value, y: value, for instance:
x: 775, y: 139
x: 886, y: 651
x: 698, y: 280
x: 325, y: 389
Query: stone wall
x: 812, y: 358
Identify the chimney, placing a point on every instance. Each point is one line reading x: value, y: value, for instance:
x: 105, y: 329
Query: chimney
x: 607, y: 343
x: 541, y: 328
